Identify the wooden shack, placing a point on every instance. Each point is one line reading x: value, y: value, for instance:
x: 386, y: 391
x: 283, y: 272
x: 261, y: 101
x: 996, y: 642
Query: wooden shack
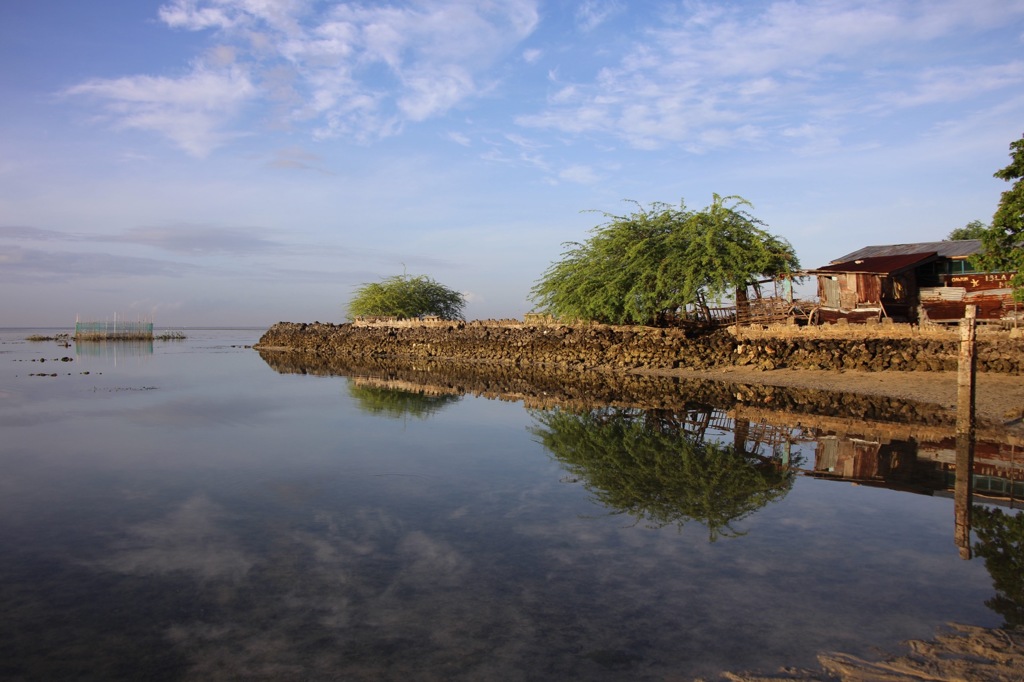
x: 928, y: 281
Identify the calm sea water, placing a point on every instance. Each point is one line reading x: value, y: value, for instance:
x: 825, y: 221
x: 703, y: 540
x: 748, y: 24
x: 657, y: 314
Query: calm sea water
x: 182, y: 511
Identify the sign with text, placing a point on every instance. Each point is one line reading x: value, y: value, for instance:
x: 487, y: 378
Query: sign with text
x: 980, y: 281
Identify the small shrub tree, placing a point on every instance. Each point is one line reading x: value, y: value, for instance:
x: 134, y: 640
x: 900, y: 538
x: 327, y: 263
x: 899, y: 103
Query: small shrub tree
x: 972, y: 230
x: 406, y: 296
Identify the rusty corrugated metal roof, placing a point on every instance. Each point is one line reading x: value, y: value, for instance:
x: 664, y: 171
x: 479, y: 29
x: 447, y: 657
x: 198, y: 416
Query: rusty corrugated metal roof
x: 880, y: 265
x: 961, y: 248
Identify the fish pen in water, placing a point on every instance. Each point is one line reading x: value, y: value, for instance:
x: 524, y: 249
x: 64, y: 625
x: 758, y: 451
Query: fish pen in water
x: 118, y: 330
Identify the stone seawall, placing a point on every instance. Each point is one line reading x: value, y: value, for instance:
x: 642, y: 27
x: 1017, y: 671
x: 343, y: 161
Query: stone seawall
x: 632, y: 348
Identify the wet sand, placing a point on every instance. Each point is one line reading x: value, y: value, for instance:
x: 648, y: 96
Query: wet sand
x: 960, y: 654
x: 999, y: 398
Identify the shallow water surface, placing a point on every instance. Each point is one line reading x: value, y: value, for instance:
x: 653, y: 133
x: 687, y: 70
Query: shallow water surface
x: 183, y: 511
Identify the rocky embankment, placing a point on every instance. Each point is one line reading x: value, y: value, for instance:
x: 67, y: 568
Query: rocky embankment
x: 643, y: 348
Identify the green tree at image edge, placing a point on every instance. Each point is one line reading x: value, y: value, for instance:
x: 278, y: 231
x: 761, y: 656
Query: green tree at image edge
x: 1003, y: 242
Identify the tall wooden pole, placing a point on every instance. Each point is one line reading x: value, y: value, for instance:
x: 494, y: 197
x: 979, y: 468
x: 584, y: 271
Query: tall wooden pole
x: 965, y: 433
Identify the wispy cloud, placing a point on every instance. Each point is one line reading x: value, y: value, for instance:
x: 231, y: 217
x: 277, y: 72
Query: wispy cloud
x: 296, y: 158
x: 348, y: 69
x: 592, y: 13
x: 18, y: 265
x: 63, y: 257
x: 459, y: 138
x: 28, y: 233
x: 956, y: 84
x: 180, y: 238
x: 717, y: 76
x: 532, y: 56
x: 191, y: 111
x: 583, y: 175
x: 197, y: 239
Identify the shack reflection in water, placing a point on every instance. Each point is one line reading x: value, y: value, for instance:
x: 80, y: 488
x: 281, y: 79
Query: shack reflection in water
x: 715, y: 466
x: 664, y: 467
x: 927, y: 467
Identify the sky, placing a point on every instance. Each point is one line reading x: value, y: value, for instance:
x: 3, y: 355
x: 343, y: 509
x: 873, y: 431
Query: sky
x: 244, y: 162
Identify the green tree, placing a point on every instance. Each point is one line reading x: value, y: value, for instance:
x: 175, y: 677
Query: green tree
x: 396, y: 403
x: 644, y: 464
x: 972, y: 230
x: 659, y: 260
x: 1001, y: 544
x: 406, y: 296
x: 1003, y: 242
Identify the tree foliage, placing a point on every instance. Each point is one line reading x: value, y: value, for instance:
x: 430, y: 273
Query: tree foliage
x: 647, y: 466
x: 972, y: 230
x: 406, y: 296
x: 397, y: 404
x: 659, y: 260
x: 1001, y: 544
x: 1004, y: 241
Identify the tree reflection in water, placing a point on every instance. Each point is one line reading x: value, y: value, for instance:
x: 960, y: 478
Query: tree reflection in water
x: 645, y: 463
x: 397, y: 403
x: 1001, y: 544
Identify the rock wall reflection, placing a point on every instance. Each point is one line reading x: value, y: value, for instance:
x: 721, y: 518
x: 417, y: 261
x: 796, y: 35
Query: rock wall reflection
x: 668, y: 452
x: 862, y: 439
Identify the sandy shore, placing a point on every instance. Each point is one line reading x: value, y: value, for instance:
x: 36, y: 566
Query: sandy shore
x: 960, y: 653
x: 999, y: 397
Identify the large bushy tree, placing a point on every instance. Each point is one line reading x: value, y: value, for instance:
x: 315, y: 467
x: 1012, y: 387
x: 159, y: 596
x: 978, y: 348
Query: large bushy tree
x: 1004, y: 240
x: 647, y: 466
x: 406, y: 296
x: 661, y: 259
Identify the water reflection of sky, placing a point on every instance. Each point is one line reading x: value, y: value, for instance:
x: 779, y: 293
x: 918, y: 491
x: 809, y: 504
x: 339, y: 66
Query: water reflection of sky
x: 199, y: 516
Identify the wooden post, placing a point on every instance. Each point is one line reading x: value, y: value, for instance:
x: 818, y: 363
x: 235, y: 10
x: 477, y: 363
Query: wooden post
x: 965, y: 433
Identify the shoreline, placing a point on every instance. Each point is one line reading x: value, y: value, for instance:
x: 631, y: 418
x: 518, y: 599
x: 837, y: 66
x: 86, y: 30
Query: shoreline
x: 883, y: 363
x: 999, y: 398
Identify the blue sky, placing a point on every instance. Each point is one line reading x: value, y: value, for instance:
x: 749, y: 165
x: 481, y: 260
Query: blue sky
x: 241, y: 162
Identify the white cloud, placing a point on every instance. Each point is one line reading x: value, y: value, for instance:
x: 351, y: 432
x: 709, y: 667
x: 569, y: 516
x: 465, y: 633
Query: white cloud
x: 459, y: 138
x: 583, y: 175
x: 592, y: 13
x: 716, y: 75
x: 191, y: 111
x: 296, y: 158
x: 198, y: 239
x: 185, y: 14
x: 958, y: 84
x: 434, y: 92
x: 359, y: 70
